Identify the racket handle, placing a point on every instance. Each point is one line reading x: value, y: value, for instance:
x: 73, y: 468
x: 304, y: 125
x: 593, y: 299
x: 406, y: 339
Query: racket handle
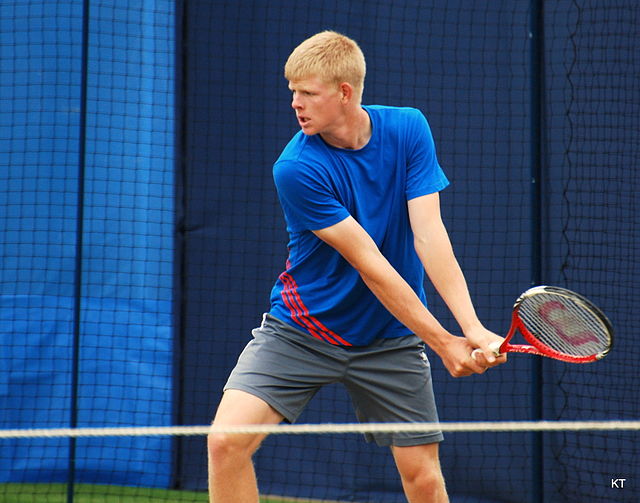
x: 495, y: 347
x: 474, y: 353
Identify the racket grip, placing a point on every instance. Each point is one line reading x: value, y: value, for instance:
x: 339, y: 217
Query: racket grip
x: 474, y: 353
x: 495, y: 347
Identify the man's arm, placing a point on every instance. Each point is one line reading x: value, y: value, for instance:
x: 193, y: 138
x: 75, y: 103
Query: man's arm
x: 357, y: 247
x: 434, y: 248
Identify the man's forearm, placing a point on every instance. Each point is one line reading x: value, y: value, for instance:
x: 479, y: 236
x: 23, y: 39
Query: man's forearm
x: 389, y: 287
x: 448, y: 279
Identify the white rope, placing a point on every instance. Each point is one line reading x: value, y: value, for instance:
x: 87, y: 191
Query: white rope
x: 474, y: 426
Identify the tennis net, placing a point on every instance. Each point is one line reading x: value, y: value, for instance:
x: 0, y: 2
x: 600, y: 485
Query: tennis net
x: 372, y: 481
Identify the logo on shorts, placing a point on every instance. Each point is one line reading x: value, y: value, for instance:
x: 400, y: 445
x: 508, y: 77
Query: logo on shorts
x: 424, y: 357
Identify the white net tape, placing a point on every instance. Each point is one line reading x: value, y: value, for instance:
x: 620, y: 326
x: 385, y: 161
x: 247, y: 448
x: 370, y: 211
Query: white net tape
x: 473, y: 426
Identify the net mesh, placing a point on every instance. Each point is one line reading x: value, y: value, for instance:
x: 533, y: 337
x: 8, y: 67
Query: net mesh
x: 141, y: 233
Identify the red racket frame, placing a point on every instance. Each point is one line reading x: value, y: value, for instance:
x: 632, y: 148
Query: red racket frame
x: 538, y: 348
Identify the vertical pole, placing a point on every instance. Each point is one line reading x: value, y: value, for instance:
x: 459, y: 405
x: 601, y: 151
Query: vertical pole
x: 75, y: 358
x: 536, y: 36
x: 179, y: 266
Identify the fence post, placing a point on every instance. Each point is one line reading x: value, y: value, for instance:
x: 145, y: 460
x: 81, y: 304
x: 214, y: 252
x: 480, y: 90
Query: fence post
x: 537, y: 83
x: 77, y: 306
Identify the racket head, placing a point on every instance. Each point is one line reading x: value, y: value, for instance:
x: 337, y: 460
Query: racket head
x: 562, y: 324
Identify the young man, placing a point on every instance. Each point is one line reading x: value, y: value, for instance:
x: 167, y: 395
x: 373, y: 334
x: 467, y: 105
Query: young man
x: 359, y: 189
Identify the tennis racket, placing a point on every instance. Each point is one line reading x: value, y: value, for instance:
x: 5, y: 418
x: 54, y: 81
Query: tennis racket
x: 560, y: 324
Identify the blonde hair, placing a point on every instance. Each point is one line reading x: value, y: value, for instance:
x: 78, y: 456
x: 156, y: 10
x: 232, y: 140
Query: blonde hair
x: 329, y: 56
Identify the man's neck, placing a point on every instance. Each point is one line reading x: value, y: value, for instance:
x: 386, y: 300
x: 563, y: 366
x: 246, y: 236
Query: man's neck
x: 353, y: 134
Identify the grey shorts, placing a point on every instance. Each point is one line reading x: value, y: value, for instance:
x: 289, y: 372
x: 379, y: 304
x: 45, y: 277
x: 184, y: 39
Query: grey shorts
x: 388, y: 381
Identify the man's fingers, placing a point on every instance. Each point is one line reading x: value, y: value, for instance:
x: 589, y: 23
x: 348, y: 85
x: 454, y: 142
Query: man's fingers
x: 495, y: 347
x: 480, y: 364
x: 481, y: 358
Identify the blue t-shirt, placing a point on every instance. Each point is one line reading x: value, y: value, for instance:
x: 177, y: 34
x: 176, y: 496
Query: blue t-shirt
x: 320, y: 185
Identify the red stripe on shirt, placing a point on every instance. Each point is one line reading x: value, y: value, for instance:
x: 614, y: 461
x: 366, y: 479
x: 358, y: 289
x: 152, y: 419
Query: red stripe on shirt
x: 296, y: 313
x: 300, y: 313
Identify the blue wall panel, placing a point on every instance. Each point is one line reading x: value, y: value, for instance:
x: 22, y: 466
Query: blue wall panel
x: 125, y: 257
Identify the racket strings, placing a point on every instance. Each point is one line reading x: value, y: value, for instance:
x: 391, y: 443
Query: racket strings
x: 564, y: 324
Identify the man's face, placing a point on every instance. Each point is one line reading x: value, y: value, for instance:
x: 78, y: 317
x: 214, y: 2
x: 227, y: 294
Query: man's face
x: 317, y: 105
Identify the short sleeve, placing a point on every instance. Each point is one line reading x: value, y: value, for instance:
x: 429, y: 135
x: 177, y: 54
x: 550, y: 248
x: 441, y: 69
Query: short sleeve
x: 306, y: 197
x: 424, y: 174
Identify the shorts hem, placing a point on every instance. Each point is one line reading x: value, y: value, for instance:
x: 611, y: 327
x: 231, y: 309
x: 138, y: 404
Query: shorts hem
x: 279, y: 408
x: 387, y: 441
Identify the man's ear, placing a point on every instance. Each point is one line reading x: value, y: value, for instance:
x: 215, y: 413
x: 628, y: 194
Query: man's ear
x: 346, y: 92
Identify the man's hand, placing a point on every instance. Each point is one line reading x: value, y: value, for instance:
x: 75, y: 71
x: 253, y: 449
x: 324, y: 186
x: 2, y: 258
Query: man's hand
x: 483, y: 342
x: 457, y: 354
